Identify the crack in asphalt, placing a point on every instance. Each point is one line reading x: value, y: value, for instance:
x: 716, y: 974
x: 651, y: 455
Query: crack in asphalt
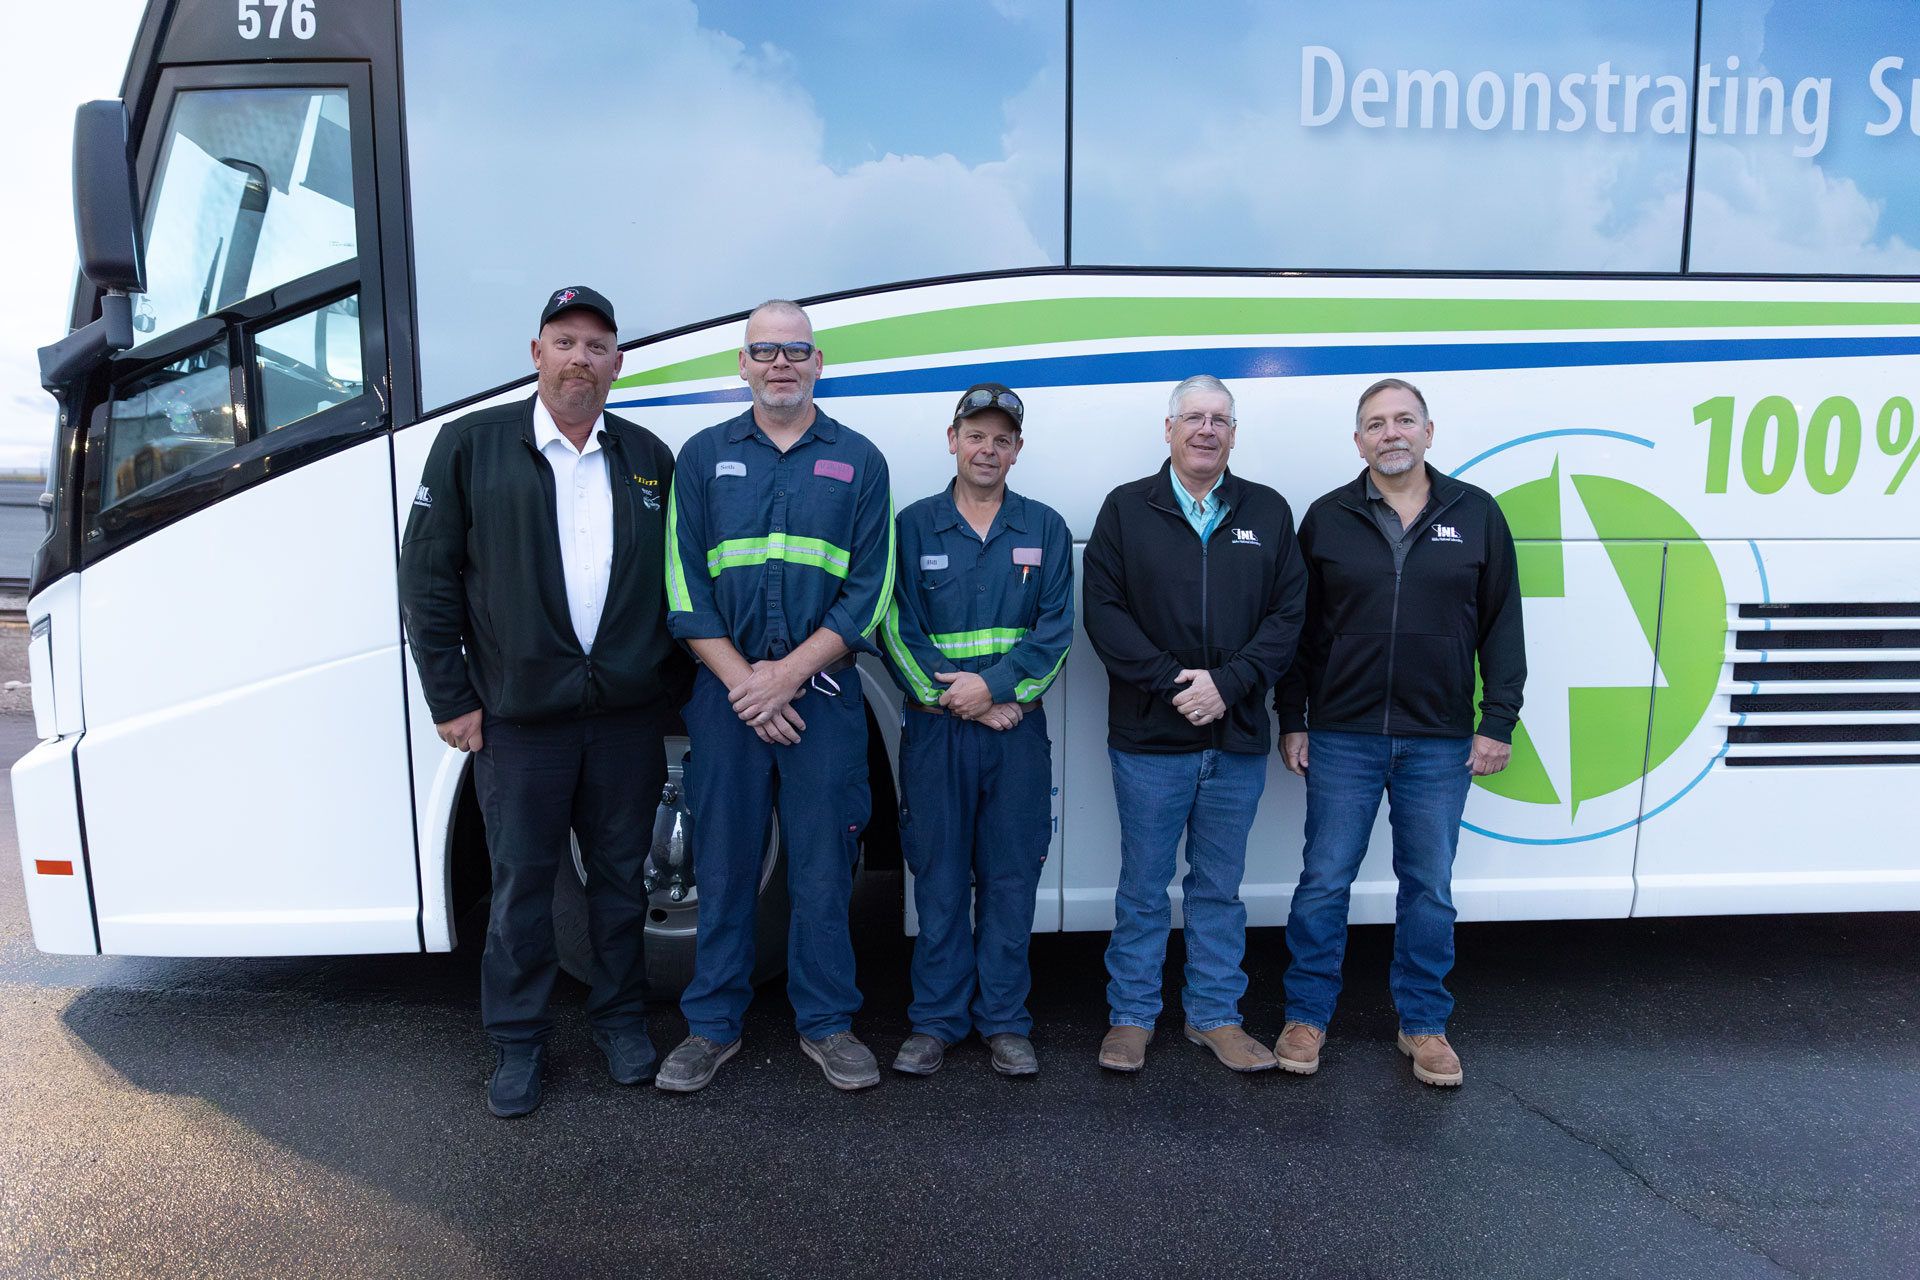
x: 1626, y: 1166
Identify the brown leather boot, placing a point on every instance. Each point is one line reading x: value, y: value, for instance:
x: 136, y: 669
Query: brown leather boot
x: 1298, y: 1048
x: 1236, y: 1050
x: 1125, y: 1048
x: 1434, y: 1061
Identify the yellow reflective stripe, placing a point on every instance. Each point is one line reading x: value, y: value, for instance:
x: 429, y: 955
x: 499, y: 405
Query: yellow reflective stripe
x: 886, y: 583
x: 1028, y: 690
x: 977, y: 644
x: 737, y: 552
x: 896, y: 645
x: 679, y: 598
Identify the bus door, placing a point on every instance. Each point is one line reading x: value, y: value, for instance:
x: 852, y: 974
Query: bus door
x: 243, y: 771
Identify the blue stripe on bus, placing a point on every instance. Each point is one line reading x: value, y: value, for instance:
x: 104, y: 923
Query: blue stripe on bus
x: 1107, y: 368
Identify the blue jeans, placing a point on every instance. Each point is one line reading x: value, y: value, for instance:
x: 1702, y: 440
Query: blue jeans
x: 820, y: 786
x: 1210, y: 795
x: 1425, y: 781
x: 975, y: 822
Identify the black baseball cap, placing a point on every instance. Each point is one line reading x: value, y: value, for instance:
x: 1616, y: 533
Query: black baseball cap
x: 577, y: 297
x: 982, y: 396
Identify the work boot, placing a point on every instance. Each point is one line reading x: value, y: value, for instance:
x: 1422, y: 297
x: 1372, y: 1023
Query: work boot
x: 1236, y: 1050
x: 920, y: 1055
x: 1125, y: 1048
x: 1013, y: 1054
x: 690, y: 1067
x: 845, y: 1061
x: 1298, y: 1048
x: 631, y: 1058
x: 1434, y: 1061
x: 515, y: 1087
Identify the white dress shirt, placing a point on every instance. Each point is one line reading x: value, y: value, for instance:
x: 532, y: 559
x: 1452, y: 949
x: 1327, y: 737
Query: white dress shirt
x: 583, y: 501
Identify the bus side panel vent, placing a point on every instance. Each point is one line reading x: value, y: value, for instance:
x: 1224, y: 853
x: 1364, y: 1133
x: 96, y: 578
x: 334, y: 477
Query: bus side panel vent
x: 1819, y: 686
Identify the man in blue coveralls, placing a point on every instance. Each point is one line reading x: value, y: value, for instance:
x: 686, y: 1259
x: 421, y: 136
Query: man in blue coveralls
x: 779, y: 568
x: 981, y: 620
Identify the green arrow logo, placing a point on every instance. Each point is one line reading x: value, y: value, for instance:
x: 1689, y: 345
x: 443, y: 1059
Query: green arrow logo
x: 1615, y: 732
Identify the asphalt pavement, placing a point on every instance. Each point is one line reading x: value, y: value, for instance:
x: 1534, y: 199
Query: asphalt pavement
x: 1683, y: 1098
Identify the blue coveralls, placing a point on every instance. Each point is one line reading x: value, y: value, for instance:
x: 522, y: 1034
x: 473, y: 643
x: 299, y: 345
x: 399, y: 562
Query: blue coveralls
x: 976, y: 802
x: 764, y: 548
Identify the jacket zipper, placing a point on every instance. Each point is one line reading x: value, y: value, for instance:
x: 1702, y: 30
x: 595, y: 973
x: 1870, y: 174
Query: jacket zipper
x: 1393, y: 626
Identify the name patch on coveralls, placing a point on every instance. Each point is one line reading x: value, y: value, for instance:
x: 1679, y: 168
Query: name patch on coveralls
x: 1026, y: 555
x: 842, y: 471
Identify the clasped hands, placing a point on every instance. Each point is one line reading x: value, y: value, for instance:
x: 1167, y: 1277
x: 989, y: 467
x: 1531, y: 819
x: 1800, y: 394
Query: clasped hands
x: 967, y: 698
x: 1200, y: 703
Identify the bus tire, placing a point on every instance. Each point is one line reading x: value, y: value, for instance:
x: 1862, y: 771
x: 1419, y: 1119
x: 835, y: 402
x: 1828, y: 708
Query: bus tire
x: 672, y: 926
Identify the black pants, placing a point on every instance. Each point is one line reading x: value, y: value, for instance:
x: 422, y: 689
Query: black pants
x: 600, y: 777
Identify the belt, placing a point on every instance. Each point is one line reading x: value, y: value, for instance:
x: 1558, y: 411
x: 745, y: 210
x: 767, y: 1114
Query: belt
x: 937, y: 710
x: 840, y: 664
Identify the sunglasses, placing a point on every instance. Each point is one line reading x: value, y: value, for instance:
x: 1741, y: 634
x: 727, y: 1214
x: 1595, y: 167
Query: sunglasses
x: 981, y: 398
x: 766, y: 352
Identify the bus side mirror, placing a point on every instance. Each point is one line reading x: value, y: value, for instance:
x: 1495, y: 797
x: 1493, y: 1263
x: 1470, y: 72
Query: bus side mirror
x: 106, y: 223
x: 104, y: 218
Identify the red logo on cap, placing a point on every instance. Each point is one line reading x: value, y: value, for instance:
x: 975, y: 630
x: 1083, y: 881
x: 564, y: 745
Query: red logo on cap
x: 565, y: 296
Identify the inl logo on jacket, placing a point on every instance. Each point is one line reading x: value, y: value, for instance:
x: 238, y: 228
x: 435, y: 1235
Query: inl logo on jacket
x: 1445, y: 533
x: 1246, y: 538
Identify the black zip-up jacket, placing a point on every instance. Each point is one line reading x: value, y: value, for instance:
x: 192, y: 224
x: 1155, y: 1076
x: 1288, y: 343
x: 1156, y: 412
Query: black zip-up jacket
x: 1393, y: 653
x: 484, y: 596
x: 1157, y: 600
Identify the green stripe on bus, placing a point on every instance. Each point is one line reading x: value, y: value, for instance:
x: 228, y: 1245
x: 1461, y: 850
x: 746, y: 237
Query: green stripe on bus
x: 974, y: 644
x: 1043, y: 320
x: 736, y: 552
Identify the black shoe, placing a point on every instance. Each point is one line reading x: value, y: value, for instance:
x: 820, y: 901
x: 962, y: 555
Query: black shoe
x: 692, y: 1063
x: 920, y: 1055
x: 630, y: 1055
x: 1013, y: 1054
x: 846, y: 1062
x: 515, y: 1087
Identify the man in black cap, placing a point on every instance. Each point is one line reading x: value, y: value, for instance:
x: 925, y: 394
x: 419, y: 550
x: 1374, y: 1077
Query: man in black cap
x: 979, y: 626
x: 533, y: 586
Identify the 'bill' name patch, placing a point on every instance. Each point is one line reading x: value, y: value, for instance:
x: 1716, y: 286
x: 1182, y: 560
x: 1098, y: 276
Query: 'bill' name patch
x: 933, y: 562
x: 1026, y: 555
x: 841, y: 471
x: 729, y: 468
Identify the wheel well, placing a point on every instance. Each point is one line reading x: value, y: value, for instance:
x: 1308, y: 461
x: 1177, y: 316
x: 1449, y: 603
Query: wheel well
x: 881, y: 840
x: 469, y: 870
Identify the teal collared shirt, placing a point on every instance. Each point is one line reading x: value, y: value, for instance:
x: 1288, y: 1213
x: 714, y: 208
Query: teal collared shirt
x: 1204, y: 514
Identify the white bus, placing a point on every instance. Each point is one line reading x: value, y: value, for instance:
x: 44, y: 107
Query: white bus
x: 1653, y: 262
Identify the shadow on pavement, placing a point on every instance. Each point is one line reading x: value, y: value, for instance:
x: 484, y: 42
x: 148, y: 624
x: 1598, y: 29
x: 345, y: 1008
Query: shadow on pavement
x: 1720, y: 1097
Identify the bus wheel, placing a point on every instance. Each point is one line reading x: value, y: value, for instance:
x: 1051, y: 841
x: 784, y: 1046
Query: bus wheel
x: 673, y: 913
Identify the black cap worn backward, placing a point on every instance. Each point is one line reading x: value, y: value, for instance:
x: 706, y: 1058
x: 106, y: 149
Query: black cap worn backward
x: 578, y: 297
x: 991, y: 395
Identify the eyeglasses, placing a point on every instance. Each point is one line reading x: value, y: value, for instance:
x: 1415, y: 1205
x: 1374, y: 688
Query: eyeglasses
x: 765, y: 352
x: 981, y: 398
x: 1194, y: 421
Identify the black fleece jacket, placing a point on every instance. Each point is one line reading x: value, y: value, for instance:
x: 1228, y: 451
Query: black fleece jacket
x: 1156, y: 600
x: 484, y: 596
x: 1394, y: 653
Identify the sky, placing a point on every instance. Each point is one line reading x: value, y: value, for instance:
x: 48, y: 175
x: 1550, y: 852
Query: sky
x: 902, y: 139
x: 38, y: 94
x: 736, y: 150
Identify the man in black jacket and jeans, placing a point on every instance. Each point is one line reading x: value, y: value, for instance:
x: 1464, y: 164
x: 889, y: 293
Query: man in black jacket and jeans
x: 1411, y: 575
x: 1194, y: 594
x: 533, y: 586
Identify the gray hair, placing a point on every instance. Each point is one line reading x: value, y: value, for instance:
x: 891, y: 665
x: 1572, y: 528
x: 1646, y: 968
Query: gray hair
x: 1388, y: 384
x: 786, y: 305
x: 1198, y: 382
